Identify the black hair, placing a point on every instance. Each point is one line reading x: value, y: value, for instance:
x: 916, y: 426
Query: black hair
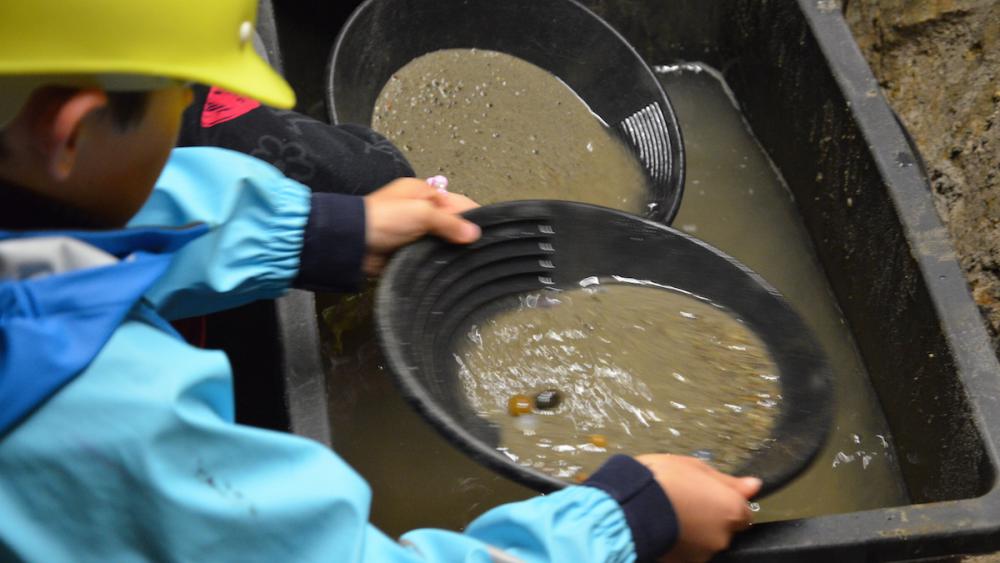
x: 125, y: 109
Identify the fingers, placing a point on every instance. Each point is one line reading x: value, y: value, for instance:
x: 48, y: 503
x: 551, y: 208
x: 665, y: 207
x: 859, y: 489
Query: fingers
x: 745, y: 486
x: 745, y: 520
x: 452, y: 227
x: 453, y: 203
x: 405, y: 188
x: 748, y: 486
x: 373, y: 264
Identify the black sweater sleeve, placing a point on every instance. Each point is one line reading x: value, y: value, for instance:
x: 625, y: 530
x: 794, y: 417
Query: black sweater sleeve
x: 346, y: 159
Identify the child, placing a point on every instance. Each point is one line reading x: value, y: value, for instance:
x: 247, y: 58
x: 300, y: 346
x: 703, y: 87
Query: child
x: 116, y: 437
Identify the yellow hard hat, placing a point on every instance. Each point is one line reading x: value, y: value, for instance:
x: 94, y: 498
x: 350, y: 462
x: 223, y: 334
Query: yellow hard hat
x: 132, y: 45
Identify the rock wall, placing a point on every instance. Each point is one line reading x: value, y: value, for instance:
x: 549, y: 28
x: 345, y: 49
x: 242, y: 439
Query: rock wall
x: 938, y: 62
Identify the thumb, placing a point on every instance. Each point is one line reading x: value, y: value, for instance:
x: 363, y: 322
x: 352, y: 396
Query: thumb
x: 748, y: 486
x: 453, y: 228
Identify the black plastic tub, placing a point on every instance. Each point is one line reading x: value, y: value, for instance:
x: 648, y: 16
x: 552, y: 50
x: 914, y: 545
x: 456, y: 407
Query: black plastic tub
x: 813, y: 103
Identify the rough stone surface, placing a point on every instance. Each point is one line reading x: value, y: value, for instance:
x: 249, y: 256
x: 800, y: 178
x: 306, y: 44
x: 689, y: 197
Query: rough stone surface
x: 938, y: 62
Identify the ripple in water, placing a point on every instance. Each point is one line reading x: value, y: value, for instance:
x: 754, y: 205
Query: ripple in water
x: 639, y: 370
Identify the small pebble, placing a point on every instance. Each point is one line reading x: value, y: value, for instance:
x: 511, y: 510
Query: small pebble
x: 548, y: 399
x: 518, y: 405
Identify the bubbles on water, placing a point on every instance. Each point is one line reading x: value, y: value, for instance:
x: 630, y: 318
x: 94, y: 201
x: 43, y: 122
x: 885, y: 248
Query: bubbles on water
x: 840, y: 458
x: 474, y: 336
x: 860, y: 455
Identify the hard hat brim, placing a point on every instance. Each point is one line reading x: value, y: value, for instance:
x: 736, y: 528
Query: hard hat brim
x: 251, y: 76
x: 246, y: 74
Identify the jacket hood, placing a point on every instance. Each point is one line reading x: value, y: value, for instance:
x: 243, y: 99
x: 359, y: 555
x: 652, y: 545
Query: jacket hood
x: 62, y: 295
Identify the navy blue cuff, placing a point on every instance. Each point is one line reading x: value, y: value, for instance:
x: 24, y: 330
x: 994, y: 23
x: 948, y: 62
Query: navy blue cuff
x: 647, y: 509
x: 334, y: 244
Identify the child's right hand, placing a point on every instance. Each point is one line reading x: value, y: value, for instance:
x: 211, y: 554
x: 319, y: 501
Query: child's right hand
x: 711, y: 506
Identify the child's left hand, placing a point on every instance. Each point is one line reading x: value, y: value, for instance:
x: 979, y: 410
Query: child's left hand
x: 407, y: 209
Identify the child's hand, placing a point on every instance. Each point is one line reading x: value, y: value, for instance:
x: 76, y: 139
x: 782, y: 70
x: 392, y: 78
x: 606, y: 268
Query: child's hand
x: 711, y: 506
x: 407, y: 209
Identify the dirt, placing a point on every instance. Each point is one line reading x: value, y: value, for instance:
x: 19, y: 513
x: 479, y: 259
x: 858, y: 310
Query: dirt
x: 501, y: 129
x: 938, y: 62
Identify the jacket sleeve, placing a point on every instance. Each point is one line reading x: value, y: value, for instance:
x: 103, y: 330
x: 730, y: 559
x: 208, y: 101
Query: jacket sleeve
x: 346, y: 159
x: 143, y: 445
x: 259, y: 223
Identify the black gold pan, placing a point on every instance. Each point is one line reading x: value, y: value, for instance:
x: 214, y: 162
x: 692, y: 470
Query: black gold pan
x: 432, y: 290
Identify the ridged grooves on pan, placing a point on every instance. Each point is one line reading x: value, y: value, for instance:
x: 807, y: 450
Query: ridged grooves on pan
x: 647, y: 133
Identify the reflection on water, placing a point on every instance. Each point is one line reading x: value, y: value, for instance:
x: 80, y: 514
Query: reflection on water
x: 639, y: 369
x: 734, y: 199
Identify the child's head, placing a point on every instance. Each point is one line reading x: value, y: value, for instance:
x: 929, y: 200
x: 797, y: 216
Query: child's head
x: 91, y: 93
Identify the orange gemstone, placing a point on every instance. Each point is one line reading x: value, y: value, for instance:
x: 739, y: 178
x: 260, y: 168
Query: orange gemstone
x: 599, y: 440
x: 518, y: 405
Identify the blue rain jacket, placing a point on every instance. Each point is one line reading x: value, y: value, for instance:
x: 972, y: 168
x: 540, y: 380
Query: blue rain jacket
x: 117, y: 439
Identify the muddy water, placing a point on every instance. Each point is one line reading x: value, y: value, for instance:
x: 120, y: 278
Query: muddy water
x: 637, y: 369
x: 736, y: 200
x: 503, y: 129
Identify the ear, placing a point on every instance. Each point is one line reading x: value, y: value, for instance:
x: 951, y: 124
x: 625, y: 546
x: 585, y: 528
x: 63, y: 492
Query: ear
x: 63, y: 127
